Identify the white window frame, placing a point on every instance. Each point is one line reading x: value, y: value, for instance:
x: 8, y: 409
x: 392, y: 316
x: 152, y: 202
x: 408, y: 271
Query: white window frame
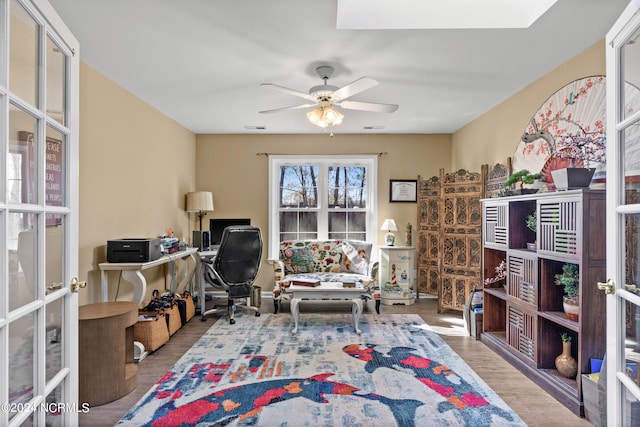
x: 370, y: 161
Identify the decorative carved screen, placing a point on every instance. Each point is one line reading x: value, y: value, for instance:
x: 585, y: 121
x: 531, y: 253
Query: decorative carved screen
x: 496, y: 177
x: 449, y: 236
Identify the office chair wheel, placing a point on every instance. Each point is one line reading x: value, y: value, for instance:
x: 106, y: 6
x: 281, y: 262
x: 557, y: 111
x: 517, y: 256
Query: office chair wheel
x: 257, y: 314
x: 232, y: 321
x: 203, y: 318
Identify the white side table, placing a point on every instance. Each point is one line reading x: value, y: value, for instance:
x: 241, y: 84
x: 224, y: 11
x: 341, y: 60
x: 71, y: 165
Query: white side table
x: 397, y: 284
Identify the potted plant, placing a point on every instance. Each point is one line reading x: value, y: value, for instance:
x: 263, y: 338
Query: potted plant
x: 569, y: 280
x: 532, y: 224
x: 523, y: 177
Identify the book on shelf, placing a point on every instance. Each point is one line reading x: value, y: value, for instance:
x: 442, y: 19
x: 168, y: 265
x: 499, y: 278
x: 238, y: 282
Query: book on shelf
x: 306, y: 282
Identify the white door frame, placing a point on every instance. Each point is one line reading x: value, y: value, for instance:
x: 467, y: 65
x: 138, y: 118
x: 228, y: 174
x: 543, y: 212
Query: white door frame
x: 43, y: 403
x: 619, y: 384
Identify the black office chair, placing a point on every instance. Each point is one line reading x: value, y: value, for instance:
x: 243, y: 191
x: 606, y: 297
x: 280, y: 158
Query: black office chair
x: 234, y: 268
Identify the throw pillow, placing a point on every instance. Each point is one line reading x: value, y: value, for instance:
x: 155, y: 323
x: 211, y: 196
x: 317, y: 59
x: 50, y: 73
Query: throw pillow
x: 357, y: 255
x: 298, y: 260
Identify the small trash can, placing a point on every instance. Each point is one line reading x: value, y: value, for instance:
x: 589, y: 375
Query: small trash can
x: 256, y: 296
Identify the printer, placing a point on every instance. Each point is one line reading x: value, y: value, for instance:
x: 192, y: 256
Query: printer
x: 134, y: 250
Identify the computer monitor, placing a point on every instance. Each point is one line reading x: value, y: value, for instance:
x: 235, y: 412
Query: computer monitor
x: 217, y: 226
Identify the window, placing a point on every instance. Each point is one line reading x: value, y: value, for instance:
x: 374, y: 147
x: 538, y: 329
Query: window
x: 322, y: 197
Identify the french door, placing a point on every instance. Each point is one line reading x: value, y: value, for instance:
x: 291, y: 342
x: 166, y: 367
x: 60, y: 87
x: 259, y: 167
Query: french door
x: 623, y: 219
x: 38, y: 216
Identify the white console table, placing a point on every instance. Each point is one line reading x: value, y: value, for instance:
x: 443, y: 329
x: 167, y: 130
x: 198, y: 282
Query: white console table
x: 132, y: 272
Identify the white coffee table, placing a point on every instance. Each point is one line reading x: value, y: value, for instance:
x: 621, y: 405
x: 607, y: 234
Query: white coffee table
x: 327, y: 291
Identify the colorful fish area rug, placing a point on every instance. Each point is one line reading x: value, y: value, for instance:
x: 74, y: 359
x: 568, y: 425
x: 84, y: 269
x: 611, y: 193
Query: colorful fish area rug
x: 256, y: 373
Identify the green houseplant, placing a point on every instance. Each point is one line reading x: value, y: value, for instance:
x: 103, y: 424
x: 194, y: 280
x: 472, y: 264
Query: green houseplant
x: 521, y: 178
x: 569, y: 280
x: 532, y: 224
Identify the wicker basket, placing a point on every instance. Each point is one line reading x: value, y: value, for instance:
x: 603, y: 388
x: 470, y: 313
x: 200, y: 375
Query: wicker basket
x: 153, y: 333
x: 173, y: 322
x: 191, y: 306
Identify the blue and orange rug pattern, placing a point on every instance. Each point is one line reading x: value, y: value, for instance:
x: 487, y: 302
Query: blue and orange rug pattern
x: 255, y: 373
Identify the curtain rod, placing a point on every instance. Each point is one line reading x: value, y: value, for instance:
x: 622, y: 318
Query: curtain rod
x: 379, y: 154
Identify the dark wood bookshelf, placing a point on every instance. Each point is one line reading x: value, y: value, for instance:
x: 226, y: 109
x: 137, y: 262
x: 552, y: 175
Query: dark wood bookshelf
x: 523, y: 322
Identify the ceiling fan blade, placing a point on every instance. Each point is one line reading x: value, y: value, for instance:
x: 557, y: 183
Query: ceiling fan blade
x: 290, y: 91
x: 354, y: 88
x: 368, y: 106
x: 295, y: 107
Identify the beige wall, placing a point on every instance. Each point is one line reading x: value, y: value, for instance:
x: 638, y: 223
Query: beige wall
x: 136, y: 165
x: 494, y: 136
x: 230, y: 166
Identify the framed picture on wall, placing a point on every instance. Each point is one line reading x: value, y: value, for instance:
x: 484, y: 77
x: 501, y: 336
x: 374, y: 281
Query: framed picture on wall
x: 403, y: 190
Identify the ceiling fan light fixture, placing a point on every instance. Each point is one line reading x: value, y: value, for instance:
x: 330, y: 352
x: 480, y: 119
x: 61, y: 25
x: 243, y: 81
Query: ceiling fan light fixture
x: 325, y: 116
x: 315, y: 116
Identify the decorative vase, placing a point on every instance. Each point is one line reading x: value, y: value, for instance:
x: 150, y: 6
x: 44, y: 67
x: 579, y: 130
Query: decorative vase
x: 565, y: 363
x: 568, y: 178
x: 571, y: 308
x: 532, y: 246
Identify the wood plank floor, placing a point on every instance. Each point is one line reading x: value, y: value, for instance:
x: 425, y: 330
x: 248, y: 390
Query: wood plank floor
x: 530, y: 402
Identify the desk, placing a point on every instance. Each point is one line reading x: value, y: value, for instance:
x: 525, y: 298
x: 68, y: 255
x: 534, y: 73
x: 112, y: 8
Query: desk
x: 105, y: 342
x: 330, y: 291
x: 132, y: 272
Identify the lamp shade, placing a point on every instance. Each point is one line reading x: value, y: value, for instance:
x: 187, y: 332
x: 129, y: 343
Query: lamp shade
x: 389, y: 225
x: 199, y: 201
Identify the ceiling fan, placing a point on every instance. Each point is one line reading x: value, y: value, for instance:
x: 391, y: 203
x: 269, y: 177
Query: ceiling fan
x: 325, y: 97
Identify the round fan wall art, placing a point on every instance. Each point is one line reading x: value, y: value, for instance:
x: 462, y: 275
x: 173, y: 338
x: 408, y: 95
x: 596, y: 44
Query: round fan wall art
x: 567, y: 130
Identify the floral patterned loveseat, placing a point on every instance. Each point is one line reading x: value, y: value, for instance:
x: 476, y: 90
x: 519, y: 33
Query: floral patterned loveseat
x: 326, y: 261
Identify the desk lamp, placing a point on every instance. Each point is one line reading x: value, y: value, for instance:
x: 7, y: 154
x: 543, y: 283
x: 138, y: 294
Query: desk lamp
x: 200, y: 202
x: 389, y: 224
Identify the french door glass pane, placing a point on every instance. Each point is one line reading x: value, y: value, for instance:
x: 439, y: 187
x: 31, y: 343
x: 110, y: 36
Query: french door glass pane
x: 630, y: 139
x: 21, y: 240
x: 55, y: 82
x: 55, y: 418
x: 21, y: 360
x: 54, y: 337
x: 54, y: 251
x: 630, y: 57
x: 23, y: 54
x: 22, y: 159
x: 630, y: 409
x: 55, y: 193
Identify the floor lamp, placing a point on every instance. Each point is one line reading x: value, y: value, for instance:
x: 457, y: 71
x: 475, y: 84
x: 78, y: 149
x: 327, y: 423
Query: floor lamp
x: 200, y: 202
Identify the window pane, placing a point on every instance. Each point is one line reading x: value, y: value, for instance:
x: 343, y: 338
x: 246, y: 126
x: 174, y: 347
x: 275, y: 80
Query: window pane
x: 23, y: 54
x: 630, y: 139
x: 55, y: 82
x: 298, y: 225
x: 55, y: 180
x: 348, y: 225
x: 357, y: 222
x: 298, y: 186
x: 22, y: 159
x: 347, y: 186
x: 337, y: 225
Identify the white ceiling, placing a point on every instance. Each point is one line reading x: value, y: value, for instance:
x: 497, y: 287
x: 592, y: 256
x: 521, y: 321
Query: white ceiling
x: 201, y: 62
